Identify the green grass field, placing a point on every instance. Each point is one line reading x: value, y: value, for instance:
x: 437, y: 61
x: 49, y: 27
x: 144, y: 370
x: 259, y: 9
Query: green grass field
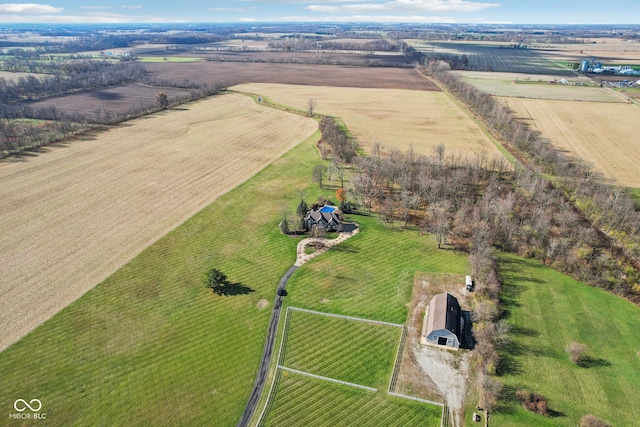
x: 371, y: 274
x: 303, y: 401
x: 347, y: 350
x: 547, y: 311
x: 151, y: 345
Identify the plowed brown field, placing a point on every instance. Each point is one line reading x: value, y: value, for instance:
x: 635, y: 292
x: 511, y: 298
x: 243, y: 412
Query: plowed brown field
x: 392, y: 117
x: 70, y: 218
x: 233, y: 73
x: 604, y: 134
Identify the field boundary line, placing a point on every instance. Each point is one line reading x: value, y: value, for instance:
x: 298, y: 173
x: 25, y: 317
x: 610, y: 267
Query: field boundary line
x: 417, y: 399
x: 333, y: 380
x: 340, y: 316
x: 397, y: 362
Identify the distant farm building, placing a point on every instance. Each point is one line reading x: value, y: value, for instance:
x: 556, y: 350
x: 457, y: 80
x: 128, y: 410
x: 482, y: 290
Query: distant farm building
x: 325, y: 218
x: 443, y: 325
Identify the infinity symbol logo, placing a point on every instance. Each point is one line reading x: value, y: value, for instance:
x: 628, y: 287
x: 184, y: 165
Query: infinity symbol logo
x: 25, y: 405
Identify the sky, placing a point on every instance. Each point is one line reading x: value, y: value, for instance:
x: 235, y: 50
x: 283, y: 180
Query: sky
x: 391, y: 11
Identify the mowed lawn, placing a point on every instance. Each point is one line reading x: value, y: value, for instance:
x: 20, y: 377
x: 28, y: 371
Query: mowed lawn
x: 397, y: 118
x: 74, y: 214
x: 152, y: 346
x: 547, y: 311
x: 348, y: 350
x: 371, y: 275
x: 302, y: 401
x: 604, y: 134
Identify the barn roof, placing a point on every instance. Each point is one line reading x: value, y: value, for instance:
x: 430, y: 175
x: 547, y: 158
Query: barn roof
x: 444, y: 313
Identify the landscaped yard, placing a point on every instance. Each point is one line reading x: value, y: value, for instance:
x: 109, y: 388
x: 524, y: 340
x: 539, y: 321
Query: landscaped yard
x: 371, y: 274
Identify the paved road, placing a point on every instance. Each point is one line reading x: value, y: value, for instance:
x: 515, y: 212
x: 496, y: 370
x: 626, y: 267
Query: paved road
x: 267, y: 352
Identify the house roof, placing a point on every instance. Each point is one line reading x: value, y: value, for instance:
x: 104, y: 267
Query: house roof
x: 327, y: 216
x: 444, y: 313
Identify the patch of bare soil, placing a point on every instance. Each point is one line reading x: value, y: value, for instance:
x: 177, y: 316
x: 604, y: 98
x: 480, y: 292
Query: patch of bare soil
x: 262, y: 304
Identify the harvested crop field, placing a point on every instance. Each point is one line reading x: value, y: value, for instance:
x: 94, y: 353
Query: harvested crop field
x: 72, y: 216
x: 14, y: 77
x: 392, y: 117
x: 234, y: 73
x: 493, y: 56
x: 537, y: 86
x: 115, y: 98
x: 603, y: 134
x: 609, y: 51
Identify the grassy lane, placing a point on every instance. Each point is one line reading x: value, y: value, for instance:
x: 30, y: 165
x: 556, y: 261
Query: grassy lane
x: 152, y: 346
x: 547, y: 311
x: 371, y: 274
x: 303, y: 401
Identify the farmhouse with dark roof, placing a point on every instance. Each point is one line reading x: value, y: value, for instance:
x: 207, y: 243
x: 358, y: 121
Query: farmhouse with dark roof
x: 324, y: 219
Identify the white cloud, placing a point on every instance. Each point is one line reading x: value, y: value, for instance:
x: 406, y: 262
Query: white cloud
x: 406, y: 6
x: 28, y: 8
x: 85, y: 18
x: 132, y: 7
x: 231, y: 9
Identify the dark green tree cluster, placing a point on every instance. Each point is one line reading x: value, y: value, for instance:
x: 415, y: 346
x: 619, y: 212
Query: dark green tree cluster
x: 217, y: 281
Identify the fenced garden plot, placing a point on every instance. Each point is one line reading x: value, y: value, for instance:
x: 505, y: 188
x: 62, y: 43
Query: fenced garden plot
x: 304, y: 401
x: 348, y: 350
x: 335, y: 370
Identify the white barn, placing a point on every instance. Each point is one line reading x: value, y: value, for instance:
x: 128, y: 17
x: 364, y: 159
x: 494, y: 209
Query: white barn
x: 443, y: 326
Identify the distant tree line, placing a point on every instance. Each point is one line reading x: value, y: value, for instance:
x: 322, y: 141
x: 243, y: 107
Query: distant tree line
x: 363, y: 61
x: 70, y: 77
x: 306, y: 44
x: 456, y: 62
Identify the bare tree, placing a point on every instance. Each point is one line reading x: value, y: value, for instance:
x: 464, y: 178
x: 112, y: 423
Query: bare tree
x: 311, y: 106
x: 162, y: 100
x: 318, y: 175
